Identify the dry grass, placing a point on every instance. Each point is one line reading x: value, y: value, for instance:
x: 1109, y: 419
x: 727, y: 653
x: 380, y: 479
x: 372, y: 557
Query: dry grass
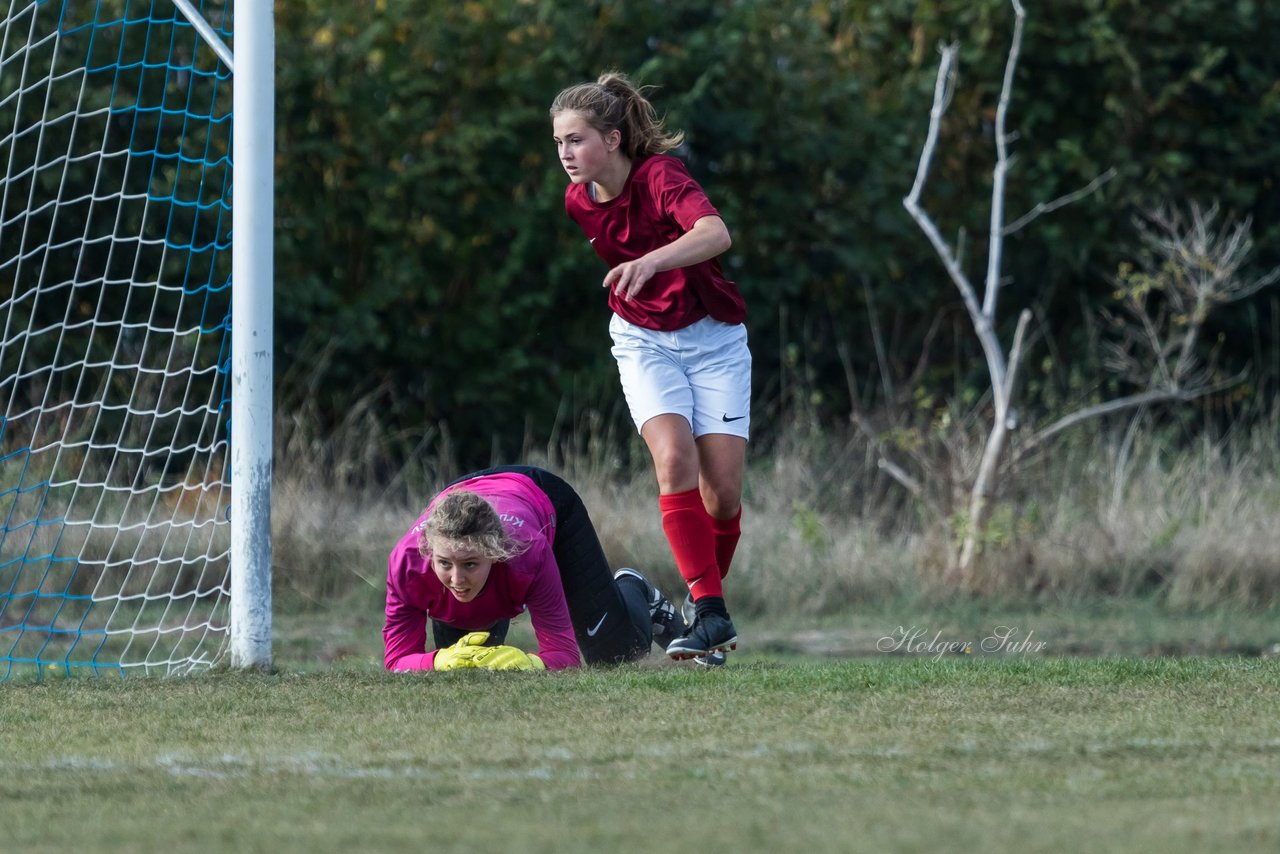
x: 824, y: 531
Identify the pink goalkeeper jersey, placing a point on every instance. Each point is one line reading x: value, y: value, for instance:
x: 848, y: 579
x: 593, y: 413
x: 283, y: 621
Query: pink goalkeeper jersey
x: 659, y: 203
x: 530, y: 580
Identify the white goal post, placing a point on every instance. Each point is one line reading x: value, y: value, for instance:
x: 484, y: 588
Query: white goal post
x: 135, y: 335
x: 253, y: 219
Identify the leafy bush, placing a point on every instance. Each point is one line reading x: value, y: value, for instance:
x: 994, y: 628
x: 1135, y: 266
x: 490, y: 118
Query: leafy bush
x: 423, y: 248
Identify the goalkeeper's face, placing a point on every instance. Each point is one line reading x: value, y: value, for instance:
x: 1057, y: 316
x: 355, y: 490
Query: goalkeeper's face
x: 461, y: 568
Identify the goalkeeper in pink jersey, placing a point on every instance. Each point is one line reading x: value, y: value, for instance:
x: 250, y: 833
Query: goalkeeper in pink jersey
x: 497, y: 543
x: 678, y: 333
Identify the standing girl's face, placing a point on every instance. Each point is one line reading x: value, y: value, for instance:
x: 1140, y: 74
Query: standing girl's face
x: 584, y: 152
x: 460, y: 567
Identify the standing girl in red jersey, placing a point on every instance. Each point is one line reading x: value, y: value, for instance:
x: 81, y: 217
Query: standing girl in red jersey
x: 677, y: 328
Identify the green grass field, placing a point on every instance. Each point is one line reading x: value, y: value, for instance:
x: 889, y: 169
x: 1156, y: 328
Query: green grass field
x: 904, y: 753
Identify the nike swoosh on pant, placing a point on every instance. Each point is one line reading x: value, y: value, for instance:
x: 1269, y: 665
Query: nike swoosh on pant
x: 592, y: 631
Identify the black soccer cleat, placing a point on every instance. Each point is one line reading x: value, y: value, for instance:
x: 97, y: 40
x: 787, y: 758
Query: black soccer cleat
x: 667, y: 622
x: 709, y: 633
x: 715, y: 658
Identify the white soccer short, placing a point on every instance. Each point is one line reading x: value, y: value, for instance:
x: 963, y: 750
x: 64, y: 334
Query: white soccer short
x: 702, y: 372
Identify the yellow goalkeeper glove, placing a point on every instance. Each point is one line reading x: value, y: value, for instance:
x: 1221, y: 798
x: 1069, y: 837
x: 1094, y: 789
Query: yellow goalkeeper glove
x: 463, y: 653
x: 506, y: 658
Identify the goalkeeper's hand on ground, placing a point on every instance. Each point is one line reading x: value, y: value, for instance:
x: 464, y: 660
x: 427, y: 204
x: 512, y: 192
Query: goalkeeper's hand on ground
x: 506, y: 658
x: 463, y: 653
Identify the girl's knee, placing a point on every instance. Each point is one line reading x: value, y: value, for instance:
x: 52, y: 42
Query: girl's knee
x: 722, y: 503
x: 677, y: 470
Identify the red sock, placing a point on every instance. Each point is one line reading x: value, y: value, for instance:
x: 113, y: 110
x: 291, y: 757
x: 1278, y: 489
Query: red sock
x: 688, y: 529
x: 727, y: 533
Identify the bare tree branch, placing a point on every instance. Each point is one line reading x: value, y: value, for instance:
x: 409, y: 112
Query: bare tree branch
x: 1142, y: 331
x: 1195, y: 319
x: 982, y: 324
x: 995, y: 247
x: 899, y: 474
x: 1193, y: 266
x: 988, y: 466
x: 1048, y: 207
x: 895, y: 471
x: 1184, y: 272
x: 941, y: 94
x: 1015, y: 359
x: 1119, y: 404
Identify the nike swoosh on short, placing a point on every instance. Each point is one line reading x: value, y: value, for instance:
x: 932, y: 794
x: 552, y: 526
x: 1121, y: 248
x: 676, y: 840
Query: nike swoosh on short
x: 592, y: 631
x: 725, y: 418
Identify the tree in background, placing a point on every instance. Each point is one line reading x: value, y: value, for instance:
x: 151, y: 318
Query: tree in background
x: 425, y: 266
x: 1192, y: 268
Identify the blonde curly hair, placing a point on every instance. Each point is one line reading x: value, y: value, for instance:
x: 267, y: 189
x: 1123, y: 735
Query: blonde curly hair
x: 464, y: 517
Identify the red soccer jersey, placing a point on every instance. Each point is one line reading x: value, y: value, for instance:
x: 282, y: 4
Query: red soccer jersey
x: 659, y: 202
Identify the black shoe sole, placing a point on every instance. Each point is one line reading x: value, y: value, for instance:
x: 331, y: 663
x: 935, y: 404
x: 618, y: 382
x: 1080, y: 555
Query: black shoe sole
x: 686, y: 654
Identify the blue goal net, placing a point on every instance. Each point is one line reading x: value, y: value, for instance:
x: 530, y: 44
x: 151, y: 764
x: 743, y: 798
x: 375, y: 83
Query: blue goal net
x: 115, y: 274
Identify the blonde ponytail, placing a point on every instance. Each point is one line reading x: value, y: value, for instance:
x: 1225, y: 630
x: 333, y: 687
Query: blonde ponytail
x: 614, y: 102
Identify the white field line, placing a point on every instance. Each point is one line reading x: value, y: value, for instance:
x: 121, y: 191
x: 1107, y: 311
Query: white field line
x: 229, y: 767
x: 556, y: 762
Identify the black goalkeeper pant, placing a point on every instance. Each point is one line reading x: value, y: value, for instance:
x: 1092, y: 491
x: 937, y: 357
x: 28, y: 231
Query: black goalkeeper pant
x: 611, y: 621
